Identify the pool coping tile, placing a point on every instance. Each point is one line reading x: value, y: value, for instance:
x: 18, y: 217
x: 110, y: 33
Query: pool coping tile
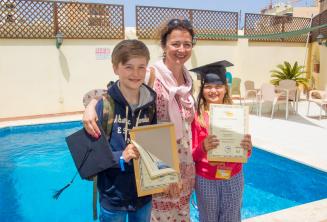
x: 309, y: 212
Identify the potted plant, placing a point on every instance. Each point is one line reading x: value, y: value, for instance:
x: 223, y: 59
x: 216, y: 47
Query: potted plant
x: 287, y: 71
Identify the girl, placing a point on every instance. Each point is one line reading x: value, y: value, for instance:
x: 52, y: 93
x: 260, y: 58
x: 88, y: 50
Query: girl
x: 219, y: 199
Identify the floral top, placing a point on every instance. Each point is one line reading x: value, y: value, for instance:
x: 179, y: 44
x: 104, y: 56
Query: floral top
x: 176, y: 208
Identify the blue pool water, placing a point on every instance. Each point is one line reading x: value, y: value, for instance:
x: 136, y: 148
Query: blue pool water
x: 34, y: 161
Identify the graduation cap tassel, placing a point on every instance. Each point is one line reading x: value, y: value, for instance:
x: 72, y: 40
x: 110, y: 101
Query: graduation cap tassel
x: 57, y: 193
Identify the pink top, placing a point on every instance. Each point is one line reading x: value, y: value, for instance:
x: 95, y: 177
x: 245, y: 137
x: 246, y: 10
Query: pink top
x: 202, y: 165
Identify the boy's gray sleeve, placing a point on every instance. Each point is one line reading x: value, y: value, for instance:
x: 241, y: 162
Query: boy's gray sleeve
x: 93, y: 94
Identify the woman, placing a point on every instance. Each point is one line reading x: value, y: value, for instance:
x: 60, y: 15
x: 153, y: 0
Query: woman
x: 175, y: 103
x: 218, y: 185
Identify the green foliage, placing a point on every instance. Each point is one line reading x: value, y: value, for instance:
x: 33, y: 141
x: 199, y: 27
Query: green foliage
x: 286, y: 71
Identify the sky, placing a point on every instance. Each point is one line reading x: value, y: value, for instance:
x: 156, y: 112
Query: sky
x: 245, y: 6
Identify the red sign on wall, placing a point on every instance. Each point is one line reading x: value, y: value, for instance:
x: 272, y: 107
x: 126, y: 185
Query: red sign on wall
x: 102, y: 53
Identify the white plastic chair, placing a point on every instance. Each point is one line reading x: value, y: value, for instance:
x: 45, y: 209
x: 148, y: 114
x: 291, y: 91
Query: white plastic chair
x: 236, y: 89
x: 290, y: 86
x: 268, y: 94
x: 251, y: 93
x: 320, y: 98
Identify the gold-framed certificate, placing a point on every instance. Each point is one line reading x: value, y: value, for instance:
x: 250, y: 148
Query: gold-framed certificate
x: 229, y: 123
x: 158, y: 165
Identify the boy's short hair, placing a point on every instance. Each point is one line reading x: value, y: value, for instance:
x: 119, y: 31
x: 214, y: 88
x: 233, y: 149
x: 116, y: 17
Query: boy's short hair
x: 128, y: 49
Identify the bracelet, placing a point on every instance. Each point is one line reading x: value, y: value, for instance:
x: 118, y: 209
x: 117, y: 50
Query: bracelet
x: 122, y: 163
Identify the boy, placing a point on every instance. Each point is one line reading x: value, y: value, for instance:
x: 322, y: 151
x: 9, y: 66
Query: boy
x: 134, y: 105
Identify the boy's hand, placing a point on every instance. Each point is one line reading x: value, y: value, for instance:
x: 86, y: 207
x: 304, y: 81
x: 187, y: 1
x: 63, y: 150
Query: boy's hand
x: 89, y: 119
x: 210, y: 142
x: 246, y: 142
x: 130, y: 152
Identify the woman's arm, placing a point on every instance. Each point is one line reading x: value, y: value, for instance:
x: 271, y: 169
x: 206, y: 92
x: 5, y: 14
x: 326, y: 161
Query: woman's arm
x: 89, y: 119
x: 90, y: 116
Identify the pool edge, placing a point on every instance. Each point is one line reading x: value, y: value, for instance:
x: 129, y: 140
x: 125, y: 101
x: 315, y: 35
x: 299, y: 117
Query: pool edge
x: 313, y: 212
x: 43, y: 120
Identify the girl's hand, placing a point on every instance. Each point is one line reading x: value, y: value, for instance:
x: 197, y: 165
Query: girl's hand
x: 89, y: 119
x: 246, y: 142
x: 210, y: 142
x: 173, y: 190
x: 130, y: 152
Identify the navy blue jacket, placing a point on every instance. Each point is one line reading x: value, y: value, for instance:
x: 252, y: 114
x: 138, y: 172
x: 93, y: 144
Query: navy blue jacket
x: 117, y: 188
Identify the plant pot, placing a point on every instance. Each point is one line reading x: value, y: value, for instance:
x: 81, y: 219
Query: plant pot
x: 316, y: 67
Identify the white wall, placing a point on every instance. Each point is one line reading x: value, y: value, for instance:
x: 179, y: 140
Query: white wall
x: 36, y: 78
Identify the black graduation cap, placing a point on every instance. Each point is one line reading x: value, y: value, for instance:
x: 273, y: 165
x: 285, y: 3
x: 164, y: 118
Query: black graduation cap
x: 213, y: 73
x: 90, y: 155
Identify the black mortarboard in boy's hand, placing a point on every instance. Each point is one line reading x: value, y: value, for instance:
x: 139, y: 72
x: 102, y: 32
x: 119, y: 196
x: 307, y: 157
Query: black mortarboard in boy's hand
x: 214, y: 73
x: 90, y: 155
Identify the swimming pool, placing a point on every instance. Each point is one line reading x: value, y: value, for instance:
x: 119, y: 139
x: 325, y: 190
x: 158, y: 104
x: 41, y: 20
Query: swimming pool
x: 34, y: 161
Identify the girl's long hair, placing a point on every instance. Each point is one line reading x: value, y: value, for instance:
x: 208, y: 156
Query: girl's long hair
x: 203, y: 106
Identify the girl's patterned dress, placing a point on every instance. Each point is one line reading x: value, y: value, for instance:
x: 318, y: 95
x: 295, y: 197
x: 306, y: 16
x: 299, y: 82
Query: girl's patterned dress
x: 176, y: 209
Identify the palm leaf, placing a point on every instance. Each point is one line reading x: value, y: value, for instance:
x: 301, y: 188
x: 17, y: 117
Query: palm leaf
x: 287, y: 71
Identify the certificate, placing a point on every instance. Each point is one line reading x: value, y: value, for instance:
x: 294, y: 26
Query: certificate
x: 229, y: 123
x: 158, y: 165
